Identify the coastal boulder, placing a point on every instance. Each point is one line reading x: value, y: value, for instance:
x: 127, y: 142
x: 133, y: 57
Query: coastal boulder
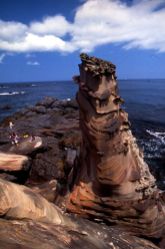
x: 20, y: 202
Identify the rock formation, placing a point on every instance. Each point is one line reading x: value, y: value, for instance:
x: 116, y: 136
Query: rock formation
x: 12, y: 162
x: 59, y: 130
x: 111, y: 180
x: 28, y: 221
x: 26, y: 145
x: 20, y: 202
x: 31, y: 234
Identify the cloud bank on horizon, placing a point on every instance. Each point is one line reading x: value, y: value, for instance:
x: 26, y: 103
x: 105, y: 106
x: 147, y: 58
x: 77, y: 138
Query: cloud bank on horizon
x: 96, y: 22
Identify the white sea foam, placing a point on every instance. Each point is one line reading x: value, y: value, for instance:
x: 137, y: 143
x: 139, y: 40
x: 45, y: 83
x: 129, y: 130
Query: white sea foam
x: 158, y: 135
x: 11, y: 93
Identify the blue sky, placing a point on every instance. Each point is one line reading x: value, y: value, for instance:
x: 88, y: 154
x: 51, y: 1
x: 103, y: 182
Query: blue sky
x: 42, y: 39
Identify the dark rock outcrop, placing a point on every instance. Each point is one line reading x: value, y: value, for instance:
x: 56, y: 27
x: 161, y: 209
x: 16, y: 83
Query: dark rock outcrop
x: 58, y: 129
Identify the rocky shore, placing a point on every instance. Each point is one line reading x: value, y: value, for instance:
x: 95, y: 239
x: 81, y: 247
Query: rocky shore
x: 47, y: 168
x: 57, y: 123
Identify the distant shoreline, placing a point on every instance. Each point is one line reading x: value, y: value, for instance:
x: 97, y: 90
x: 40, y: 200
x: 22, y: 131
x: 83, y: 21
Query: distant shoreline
x: 32, y: 82
x: 49, y: 81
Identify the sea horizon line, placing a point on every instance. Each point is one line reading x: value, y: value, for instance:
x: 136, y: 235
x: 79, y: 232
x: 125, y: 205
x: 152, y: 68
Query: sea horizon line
x: 49, y: 81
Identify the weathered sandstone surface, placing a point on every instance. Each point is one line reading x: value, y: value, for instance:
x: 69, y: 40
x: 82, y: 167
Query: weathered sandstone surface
x: 111, y: 180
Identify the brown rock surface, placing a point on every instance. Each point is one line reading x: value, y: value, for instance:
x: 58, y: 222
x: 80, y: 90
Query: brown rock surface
x: 12, y: 162
x: 26, y: 146
x: 31, y: 222
x: 20, y: 202
x: 112, y: 181
x: 28, y: 234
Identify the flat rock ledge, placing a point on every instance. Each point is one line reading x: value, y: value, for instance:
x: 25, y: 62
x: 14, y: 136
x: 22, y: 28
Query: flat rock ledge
x: 12, y: 162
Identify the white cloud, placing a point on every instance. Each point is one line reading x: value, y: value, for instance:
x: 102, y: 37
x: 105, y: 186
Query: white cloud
x: 33, y: 63
x: 11, y: 31
x: 33, y: 43
x: 29, y: 55
x: 106, y: 21
x: 55, y: 25
x: 96, y: 22
x: 2, y: 56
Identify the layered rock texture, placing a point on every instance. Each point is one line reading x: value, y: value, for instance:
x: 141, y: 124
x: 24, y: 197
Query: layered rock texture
x: 19, y: 202
x: 31, y: 234
x: 111, y: 180
x: 12, y: 162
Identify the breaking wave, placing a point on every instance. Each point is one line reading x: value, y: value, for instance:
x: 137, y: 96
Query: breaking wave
x: 154, y: 144
x: 12, y: 93
x: 158, y: 135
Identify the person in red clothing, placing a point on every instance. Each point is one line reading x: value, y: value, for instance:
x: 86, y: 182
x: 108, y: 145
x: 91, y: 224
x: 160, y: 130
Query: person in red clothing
x: 12, y: 134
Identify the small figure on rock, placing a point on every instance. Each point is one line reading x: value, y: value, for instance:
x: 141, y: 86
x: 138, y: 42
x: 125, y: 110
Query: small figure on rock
x: 11, y: 125
x: 14, y: 138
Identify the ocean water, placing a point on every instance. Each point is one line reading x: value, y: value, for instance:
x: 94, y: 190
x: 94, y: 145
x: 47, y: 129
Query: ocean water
x: 144, y: 102
x: 144, y: 99
x: 16, y: 96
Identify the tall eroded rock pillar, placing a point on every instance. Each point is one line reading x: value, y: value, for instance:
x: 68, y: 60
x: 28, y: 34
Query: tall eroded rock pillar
x: 112, y: 181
